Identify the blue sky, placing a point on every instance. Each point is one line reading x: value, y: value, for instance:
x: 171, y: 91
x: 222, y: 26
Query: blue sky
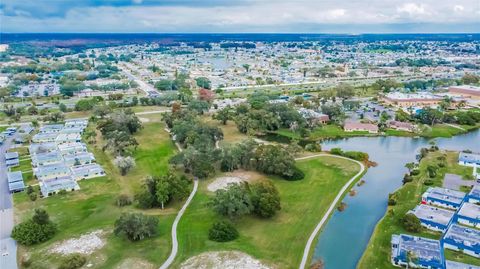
x: 315, y: 16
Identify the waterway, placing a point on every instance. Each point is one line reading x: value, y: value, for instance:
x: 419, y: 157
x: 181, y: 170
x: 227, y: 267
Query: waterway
x: 346, y: 235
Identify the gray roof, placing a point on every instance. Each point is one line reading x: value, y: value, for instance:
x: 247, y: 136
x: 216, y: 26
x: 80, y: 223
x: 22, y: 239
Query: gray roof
x: 16, y: 186
x: 14, y: 176
x: 57, y: 184
x: 463, y: 236
x: 445, y: 194
x: 422, y: 248
x: 470, y: 210
x: 475, y: 192
x: 433, y: 214
x: 11, y: 155
x: 459, y: 265
x: 42, y: 147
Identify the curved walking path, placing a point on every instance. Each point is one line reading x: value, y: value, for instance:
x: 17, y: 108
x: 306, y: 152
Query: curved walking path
x: 324, y: 219
x: 174, y: 251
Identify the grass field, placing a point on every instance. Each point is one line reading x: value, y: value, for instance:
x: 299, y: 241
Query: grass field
x: 230, y: 132
x: 278, y: 241
x: 377, y: 253
x: 93, y: 208
x: 322, y: 132
x: 443, y: 130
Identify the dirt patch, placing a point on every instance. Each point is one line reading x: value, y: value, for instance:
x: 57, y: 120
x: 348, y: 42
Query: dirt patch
x: 235, y: 177
x: 144, y: 119
x: 223, y: 260
x: 85, y: 244
x: 132, y: 263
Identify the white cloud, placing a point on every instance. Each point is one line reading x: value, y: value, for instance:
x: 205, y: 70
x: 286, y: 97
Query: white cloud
x: 252, y: 15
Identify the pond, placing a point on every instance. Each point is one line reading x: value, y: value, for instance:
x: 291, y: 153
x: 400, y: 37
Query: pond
x: 346, y: 235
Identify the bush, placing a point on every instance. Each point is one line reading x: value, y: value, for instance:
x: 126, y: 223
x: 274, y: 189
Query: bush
x: 428, y: 182
x: 296, y: 175
x: 392, y: 199
x: 73, y: 261
x: 62, y: 192
x: 336, y: 151
x: 123, y: 200
x: 313, y: 147
x: 411, y: 223
x: 222, y: 231
x: 32, y: 196
x: 265, y: 199
x: 30, y: 233
x: 407, y: 178
x: 415, y: 172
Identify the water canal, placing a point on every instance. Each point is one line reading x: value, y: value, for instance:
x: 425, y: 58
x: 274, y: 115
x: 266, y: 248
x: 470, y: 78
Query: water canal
x: 346, y: 235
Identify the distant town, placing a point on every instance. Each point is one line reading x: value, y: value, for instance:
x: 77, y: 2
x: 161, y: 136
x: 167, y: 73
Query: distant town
x: 240, y: 152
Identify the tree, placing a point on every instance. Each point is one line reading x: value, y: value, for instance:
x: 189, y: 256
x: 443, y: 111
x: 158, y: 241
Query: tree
x: 62, y: 107
x: 247, y: 67
x: 41, y: 216
x: 136, y: 226
x: 199, y: 106
x: 73, y: 261
x: 223, y: 115
x: 203, y: 82
x: 233, y: 202
x: 411, y: 223
x: 334, y: 112
x: 345, y: 91
x: 265, y: 199
x: 222, y: 231
x: 469, y: 78
x: 124, y: 164
x: 410, y: 166
x: 165, y: 85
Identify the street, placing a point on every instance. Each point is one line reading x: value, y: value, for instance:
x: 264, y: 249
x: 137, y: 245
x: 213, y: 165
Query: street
x: 8, y: 247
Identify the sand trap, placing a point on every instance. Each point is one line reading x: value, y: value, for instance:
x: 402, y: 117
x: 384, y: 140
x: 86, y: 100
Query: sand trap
x: 223, y: 182
x: 85, y: 244
x: 223, y: 260
x: 144, y: 119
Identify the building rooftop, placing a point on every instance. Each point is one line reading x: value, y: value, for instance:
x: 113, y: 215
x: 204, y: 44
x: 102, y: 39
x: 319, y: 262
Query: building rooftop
x: 86, y: 170
x: 427, y: 251
x: 469, y: 157
x: 463, y: 236
x: 47, y: 157
x: 16, y: 186
x: 399, y: 96
x: 443, y: 194
x: 433, y: 214
x: 45, y: 170
x: 40, y: 137
x: 51, y: 128
x: 470, y: 210
x: 42, y: 147
x: 475, y: 192
x: 459, y: 265
x: 14, y: 176
x: 57, y: 184
x: 11, y: 155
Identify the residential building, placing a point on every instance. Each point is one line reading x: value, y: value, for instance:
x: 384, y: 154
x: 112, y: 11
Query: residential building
x: 313, y: 117
x: 35, y: 148
x: 86, y: 171
x: 433, y: 218
x: 72, y: 148
x: 44, y: 137
x: 52, y: 186
x: 465, y: 91
x: 51, y: 157
x: 360, y: 127
x: 51, y: 128
x: 464, y: 239
x: 469, y: 214
x: 474, y: 195
x: 79, y: 158
x: 15, y: 181
x: 58, y: 170
x: 11, y: 159
x: 443, y: 197
x: 402, y: 126
x: 68, y: 138
x: 459, y: 265
x: 427, y: 252
x: 469, y: 159
x: 411, y: 99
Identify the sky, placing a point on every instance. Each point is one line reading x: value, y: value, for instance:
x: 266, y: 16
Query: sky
x: 240, y: 16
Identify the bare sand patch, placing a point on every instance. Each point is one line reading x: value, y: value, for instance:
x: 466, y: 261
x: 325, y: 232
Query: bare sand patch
x: 223, y: 260
x: 85, y: 244
x: 144, y: 119
x: 235, y: 177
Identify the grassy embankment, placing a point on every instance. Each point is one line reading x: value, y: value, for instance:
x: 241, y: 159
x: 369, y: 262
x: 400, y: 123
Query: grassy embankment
x: 377, y: 253
x: 278, y: 241
x: 93, y: 207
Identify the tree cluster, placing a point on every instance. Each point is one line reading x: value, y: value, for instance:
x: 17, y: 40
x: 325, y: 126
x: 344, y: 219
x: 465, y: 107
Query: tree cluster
x: 35, y: 230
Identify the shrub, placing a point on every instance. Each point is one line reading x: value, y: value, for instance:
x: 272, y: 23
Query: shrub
x: 296, y: 175
x: 407, y: 178
x: 30, y: 189
x: 62, y: 192
x: 411, y: 223
x: 32, y: 196
x: 336, y: 151
x: 233, y: 202
x: 222, y: 231
x: 313, y: 147
x: 428, y: 182
x: 392, y: 199
x: 265, y: 199
x: 73, y: 261
x: 415, y: 172
x: 123, y: 200
x: 30, y: 233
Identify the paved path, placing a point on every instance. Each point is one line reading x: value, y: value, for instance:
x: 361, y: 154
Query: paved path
x: 152, y: 112
x: 455, y: 126
x: 173, y: 254
x: 324, y: 219
x: 8, y: 247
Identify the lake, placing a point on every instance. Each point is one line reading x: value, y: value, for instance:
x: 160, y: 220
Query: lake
x: 346, y: 235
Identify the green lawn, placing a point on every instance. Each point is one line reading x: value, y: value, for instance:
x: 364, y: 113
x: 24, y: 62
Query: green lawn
x: 443, y: 130
x: 278, y: 241
x: 323, y: 131
x: 92, y: 207
x: 377, y: 253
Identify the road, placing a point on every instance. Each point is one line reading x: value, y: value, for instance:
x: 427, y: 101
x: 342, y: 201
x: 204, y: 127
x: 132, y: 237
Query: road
x: 8, y: 247
x: 147, y: 88
x: 174, y: 251
x: 324, y: 219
